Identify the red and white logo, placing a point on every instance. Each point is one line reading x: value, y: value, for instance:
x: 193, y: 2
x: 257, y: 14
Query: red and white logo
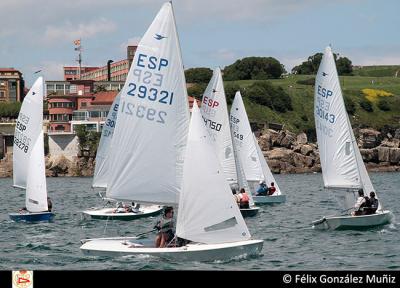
x: 22, y: 279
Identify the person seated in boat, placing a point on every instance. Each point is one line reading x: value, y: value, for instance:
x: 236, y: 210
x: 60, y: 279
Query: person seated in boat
x: 271, y: 189
x: 372, y: 204
x: 165, y: 227
x: 49, y: 204
x: 120, y: 208
x: 244, y: 199
x: 360, y: 204
x: 23, y: 210
x: 135, y: 208
x: 262, y: 189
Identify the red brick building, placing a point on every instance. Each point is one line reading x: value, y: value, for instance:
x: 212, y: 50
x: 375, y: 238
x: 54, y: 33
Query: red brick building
x: 11, y: 85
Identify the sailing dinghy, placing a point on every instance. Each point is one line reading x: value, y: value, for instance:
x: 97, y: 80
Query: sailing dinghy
x: 28, y: 157
x: 249, y: 152
x: 159, y: 145
x: 101, y: 172
x: 342, y: 166
x: 214, y: 111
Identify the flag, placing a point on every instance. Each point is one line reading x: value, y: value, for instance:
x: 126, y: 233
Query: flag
x: 77, y: 42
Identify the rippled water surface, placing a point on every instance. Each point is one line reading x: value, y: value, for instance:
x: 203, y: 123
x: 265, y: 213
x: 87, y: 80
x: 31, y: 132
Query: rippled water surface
x: 289, y: 240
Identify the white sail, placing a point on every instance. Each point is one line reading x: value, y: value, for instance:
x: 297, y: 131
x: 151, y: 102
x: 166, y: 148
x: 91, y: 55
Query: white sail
x: 243, y: 138
x: 241, y: 177
x: 214, y: 111
x: 27, y: 130
x: 36, y: 190
x: 102, y: 168
x: 336, y: 145
x: 268, y: 176
x: 153, y: 119
x: 207, y: 210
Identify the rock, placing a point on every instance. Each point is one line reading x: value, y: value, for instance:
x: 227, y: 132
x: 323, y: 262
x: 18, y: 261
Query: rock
x: 302, y: 138
x: 369, y: 138
x: 265, y: 142
x: 282, y: 154
x: 394, y: 155
x: 383, y: 154
x: 300, y: 160
x: 370, y: 155
x: 397, y: 134
x: 274, y: 165
x: 306, y: 150
x: 393, y: 143
x: 288, y: 139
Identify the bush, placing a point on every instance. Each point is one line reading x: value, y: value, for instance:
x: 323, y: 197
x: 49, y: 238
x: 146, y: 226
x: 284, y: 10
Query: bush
x: 309, y: 81
x: 350, y: 105
x: 265, y: 94
x: 198, y: 75
x: 254, y: 68
x: 230, y: 91
x: 366, y: 105
x: 10, y: 110
x: 88, y: 140
x: 384, y: 105
x: 197, y: 90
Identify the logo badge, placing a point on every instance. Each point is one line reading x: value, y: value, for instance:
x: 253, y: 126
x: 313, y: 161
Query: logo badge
x: 324, y: 74
x: 159, y: 37
x: 22, y: 279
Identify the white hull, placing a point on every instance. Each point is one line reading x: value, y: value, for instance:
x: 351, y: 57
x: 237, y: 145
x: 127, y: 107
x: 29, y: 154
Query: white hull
x: 190, y: 252
x: 354, y: 222
x: 269, y: 199
x: 109, y: 213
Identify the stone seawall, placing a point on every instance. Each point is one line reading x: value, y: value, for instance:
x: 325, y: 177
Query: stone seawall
x: 285, y: 152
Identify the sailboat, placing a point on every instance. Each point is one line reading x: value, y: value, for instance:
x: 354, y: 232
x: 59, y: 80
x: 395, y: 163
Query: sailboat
x: 214, y: 111
x: 28, y: 157
x: 254, y: 164
x: 102, y: 170
x: 341, y: 162
x: 159, y: 146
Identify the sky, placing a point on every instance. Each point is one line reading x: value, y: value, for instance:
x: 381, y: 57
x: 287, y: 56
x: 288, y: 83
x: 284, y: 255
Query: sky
x: 39, y: 34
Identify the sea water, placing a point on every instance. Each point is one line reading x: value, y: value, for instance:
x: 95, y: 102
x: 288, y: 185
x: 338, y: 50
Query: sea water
x: 290, y: 242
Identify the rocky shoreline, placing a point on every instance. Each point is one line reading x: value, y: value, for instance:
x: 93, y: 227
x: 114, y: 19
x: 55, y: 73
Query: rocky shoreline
x: 285, y: 152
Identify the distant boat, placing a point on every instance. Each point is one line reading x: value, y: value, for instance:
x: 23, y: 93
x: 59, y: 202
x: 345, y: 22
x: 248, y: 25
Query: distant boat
x: 254, y: 164
x: 214, y: 111
x: 170, y: 157
x: 102, y: 170
x: 343, y: 169
x: 28, y: 157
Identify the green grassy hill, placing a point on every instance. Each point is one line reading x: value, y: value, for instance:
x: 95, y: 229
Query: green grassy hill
x: 302, y: 96
x: 377, y: 71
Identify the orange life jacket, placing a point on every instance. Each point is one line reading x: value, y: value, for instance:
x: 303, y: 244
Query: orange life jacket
x: 245, y: 198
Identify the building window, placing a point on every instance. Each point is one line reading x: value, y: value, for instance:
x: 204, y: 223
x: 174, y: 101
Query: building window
x: 2, y: 94
x: 72, y: 89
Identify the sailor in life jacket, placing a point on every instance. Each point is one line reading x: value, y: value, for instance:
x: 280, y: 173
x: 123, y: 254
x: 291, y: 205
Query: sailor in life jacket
x: 244, y: 199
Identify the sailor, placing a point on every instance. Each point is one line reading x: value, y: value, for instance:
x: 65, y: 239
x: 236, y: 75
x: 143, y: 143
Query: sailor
x: 244, y: 199
x: 360, y: 204
x: 372, y: 204
x: 165, y: 227
x: 271, y: 189
x: 262, y: 189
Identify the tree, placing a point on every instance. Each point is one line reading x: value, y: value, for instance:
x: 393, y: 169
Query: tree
x: 198, y: 75
x: 197, y: 90
x: 230, y: 91
x: 343, y: 64
x: 254, y: 68
x: 264, y: 93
